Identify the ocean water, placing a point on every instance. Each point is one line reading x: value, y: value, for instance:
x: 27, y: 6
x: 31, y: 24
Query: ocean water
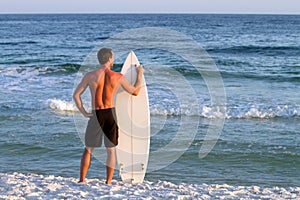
x: 258, y: 57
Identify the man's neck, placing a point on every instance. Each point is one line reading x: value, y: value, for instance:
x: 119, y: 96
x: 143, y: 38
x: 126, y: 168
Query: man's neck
x: 105, y: 66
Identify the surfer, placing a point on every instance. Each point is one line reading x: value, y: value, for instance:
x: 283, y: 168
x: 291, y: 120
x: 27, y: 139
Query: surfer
x: 103, y: 84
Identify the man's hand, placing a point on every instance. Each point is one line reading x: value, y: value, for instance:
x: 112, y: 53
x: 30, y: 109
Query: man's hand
x: 135, y: 89
x: 88, y: 115
x: 139, y: 69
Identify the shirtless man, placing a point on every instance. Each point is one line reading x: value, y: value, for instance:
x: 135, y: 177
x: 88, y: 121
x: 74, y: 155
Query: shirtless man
x: 103, y: 84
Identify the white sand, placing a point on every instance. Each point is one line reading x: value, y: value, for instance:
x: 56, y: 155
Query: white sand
x: 32, y: 186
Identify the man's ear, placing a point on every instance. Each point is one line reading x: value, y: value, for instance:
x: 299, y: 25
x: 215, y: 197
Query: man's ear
x: 111, y: 61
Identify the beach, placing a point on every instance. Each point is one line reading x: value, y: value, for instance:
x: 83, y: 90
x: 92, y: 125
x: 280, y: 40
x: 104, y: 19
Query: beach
x: 33, y: 186
x: 254, y: 156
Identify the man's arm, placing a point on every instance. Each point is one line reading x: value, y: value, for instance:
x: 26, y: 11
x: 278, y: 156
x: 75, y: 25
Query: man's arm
x: 76, y: 96
x: 134, y: 90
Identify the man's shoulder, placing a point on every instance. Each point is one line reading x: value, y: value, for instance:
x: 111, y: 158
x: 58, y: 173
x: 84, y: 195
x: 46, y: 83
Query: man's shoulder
x: 117, y: 74
x: 91, y: 73
x: 89, y: 76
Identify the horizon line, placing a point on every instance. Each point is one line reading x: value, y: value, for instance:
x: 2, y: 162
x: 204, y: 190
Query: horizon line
x: 162, y: 13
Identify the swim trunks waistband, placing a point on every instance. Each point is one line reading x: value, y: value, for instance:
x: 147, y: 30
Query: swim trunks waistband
x: 105, y: 109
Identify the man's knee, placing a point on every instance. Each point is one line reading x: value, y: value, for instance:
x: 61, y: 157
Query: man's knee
x: 110, y: 150
x: 89, y: 150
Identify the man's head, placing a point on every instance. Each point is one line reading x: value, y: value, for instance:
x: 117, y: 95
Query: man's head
x: 105, y: 55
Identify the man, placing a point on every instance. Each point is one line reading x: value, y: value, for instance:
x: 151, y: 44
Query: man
x: 103, y: 84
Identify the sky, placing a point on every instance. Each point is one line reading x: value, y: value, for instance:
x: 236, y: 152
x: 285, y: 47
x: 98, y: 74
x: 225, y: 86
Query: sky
x: 151, y: 6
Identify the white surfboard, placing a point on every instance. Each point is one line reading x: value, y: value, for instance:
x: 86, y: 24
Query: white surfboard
x: 133, y: 119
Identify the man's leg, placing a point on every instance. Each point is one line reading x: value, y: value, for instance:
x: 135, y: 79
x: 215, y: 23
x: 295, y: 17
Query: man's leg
x: 110, y: 163
x: 85, y: 162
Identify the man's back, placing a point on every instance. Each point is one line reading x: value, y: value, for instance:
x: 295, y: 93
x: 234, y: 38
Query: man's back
x: 103, y: 84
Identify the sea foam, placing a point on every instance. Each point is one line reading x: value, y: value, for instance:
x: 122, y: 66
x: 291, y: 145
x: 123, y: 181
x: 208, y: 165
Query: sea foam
x: 62, y: 105
x: 205, y: 111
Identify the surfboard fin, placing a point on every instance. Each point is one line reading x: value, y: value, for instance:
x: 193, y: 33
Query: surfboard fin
x: 143, y: 168
x: 121, y: 168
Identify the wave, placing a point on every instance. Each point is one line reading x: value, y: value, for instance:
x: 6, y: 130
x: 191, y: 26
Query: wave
x: 246, y: 112
x: 254, y: 49
x: 40, y: 70
x: 278, y: 76
x: 264, y: 113
x: 284, y: 77
x: 20, y: 105
x: 72, y: 68
x: 17, y: 43
x: 99, y: 38
x: 62, y: 69
x: 61, y: 105
x: 25, y: 148
x: 232, y: 112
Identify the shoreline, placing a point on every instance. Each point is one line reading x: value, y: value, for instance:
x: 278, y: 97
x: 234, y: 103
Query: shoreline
x: 22, y: 186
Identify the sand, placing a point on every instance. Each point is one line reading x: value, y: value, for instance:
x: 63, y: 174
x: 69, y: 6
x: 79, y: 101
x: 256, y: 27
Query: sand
x: 34, y: 186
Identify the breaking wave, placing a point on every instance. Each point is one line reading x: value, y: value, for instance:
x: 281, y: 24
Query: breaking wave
x: 205, y: 111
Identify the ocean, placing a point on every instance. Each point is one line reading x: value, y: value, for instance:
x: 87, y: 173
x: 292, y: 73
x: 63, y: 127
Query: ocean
x: 257, y: 57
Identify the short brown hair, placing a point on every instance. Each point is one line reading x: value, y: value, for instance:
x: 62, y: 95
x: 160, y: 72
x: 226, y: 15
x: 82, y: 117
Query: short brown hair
x: 104, y: 55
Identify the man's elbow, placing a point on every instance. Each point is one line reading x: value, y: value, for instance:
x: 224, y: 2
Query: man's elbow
x: 75, y: 96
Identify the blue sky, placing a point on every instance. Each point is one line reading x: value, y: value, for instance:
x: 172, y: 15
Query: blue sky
x: 151, y: 6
